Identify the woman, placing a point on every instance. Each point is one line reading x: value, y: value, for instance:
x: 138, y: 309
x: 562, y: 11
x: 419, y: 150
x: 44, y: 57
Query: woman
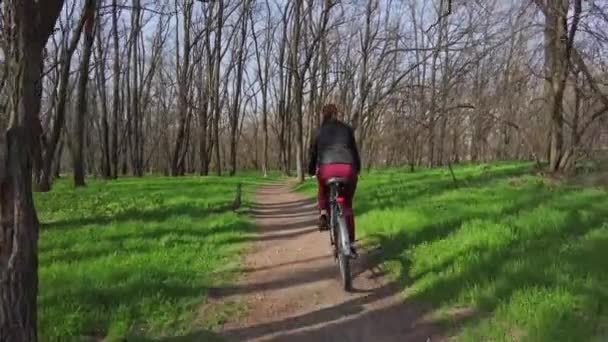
x: 334, y: 153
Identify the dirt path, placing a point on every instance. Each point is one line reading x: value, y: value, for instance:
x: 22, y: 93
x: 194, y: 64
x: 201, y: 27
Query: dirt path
x: 292, y: 285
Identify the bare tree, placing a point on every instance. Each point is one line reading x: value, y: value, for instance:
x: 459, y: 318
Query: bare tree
x: 263, y: 70
x: 184, y: 77
x: 49, y: 148
x: 216, y: 78
x: 299, y: 69
x: 116, y: 89
x: 81, y: 101
x: 29, y: 24
x: 240, y: 62
x: 100, y: 75
x: 233, y: 85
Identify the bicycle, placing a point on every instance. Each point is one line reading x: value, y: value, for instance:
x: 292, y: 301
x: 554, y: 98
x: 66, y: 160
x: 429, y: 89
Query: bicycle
x: 339, y: 231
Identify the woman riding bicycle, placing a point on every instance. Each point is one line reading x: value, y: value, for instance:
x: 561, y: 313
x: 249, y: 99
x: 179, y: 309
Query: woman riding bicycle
x: 334, y: 153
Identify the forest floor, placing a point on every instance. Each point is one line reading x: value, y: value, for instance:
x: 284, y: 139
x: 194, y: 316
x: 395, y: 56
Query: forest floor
x: 132, y: 259
x: 499, y: 255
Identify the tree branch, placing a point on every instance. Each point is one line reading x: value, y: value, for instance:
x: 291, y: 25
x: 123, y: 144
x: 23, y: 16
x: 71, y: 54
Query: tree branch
x: 598, y: 114
x: 50, y: 10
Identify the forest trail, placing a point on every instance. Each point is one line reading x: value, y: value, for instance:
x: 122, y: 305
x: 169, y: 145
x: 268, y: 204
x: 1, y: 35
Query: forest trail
x: 292, y: 290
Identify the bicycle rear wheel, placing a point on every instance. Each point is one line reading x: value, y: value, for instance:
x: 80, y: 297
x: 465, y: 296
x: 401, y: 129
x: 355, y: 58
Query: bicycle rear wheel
x: 343, y: 259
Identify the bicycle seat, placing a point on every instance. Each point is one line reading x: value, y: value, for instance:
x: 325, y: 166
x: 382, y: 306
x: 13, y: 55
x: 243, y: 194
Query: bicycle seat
x: 337, y: 181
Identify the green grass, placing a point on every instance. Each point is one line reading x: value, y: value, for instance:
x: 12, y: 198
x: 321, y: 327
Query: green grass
x: 524, y: 257
x: 134, y: 257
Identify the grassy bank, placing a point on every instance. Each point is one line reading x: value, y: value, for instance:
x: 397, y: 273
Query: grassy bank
x: 134, y: 257
x: 505, y: 256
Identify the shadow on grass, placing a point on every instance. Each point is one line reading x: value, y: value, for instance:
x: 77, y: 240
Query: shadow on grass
x: 399, y: 190
x: 158, y: 214
x: 198, y: 336
x: 131, y: 296
x: 165, y: 238
x: 561, y: 253
x: 144, y: 200
x: 148, y: 270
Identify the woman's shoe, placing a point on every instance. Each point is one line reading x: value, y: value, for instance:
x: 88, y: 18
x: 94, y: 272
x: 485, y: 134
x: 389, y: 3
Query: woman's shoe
x: 353, y: 252
x: 323, y: 225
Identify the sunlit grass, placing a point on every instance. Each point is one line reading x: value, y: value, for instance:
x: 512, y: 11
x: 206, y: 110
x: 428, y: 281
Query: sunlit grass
x: 135, y: 257
x: 525, y: 257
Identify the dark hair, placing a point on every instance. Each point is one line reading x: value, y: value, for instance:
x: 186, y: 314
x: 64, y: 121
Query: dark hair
x: 330, y: 112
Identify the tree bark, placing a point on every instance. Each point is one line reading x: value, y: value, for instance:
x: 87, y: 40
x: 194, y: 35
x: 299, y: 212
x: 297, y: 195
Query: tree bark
x: 45, y: 179
x: 216, y: 78
x: 183, y: 76
x: 558, y: 50
x: 445, y: 84
x: 116, y: 90
x: 234, y: 119
x: 203, y: 121
x: 135, y: 112
x: 297, y: 88
x: 284, y: 95
x: 29, y: 32
x: 81, y: 101
x: 263, y: 76
x: 57, y: 160
x: 105, y: 127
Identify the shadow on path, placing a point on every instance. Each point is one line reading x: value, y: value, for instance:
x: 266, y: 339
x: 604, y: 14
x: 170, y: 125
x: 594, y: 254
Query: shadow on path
x: 293, y: 289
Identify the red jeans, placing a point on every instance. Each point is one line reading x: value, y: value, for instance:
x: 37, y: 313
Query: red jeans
x: 327, y: 171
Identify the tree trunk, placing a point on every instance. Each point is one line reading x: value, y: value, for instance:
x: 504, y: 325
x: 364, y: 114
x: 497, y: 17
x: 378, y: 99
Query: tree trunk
x: 237, y: 95
x: 45, y: 179
x: 445, y: 84
x: 284, y: 95
x: 433, y: 105
x: 183, y: 68
x: 135, y: 94
x: 297, y: 88
x: 81, y: 102
x: 216, y: 69
x: 18, y: 142
x: 101, y: 81
x: 558, y: 47
x: 57, y: 160
x: 203, y: 120
x: 116, y: 92
x: 127, y: 140
x: 264, y: 79
x: 312, y: 100
x: 366, y: 46
x: 19, y: 233
x: 206, y: 100
x: 552, y: 70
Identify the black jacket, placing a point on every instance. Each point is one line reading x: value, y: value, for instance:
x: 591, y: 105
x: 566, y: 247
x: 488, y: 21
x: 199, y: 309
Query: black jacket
x: 334, y: 143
